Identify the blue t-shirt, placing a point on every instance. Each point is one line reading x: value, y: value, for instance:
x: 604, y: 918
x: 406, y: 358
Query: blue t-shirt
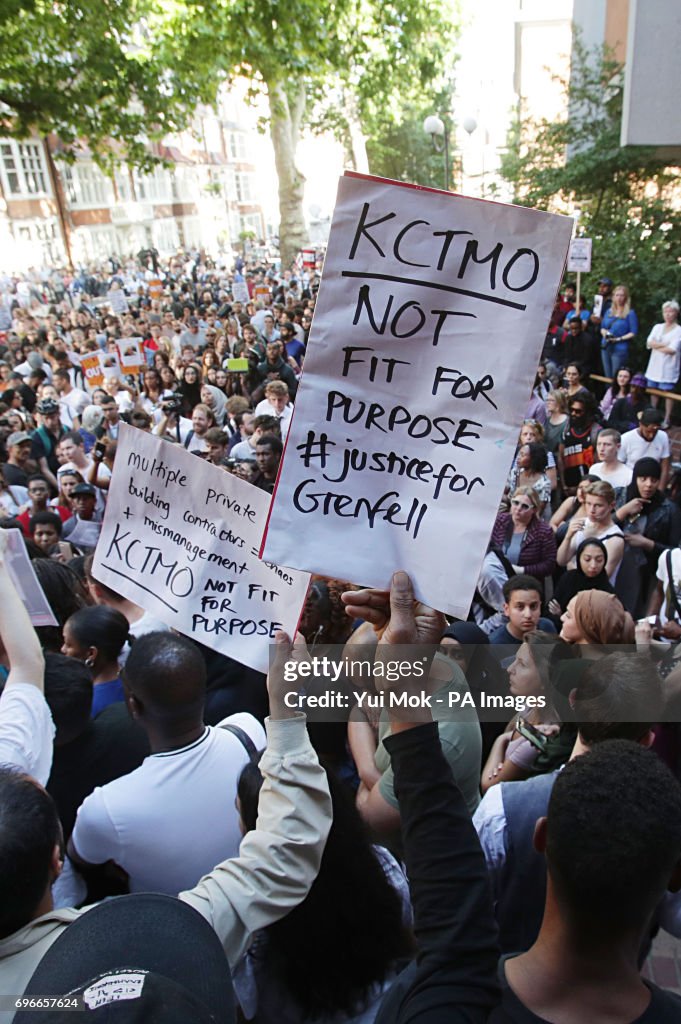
x: 105, y: 694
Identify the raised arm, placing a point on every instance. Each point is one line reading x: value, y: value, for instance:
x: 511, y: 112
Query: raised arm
x: 454, y: 978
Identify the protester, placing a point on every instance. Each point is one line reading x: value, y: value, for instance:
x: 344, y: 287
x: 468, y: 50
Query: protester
x: 237, y: 898
x: 96, y: 637
x: 651, y: 523
x: 647, y: 441
x: 619, y: 327
x: 136, y: 821
x: 664, y: 365
x: 515, y: 751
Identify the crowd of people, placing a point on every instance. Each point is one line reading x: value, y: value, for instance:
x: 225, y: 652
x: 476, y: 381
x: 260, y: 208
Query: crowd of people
x: 371, y: 869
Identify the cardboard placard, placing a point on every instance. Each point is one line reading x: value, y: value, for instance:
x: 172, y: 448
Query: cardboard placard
x: 181, y: 538
x: 428, y: 328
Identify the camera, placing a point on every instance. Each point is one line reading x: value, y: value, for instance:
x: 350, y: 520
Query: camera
x: 172, y: 406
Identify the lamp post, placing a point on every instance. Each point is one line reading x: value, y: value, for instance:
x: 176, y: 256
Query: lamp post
x: 439, y: 133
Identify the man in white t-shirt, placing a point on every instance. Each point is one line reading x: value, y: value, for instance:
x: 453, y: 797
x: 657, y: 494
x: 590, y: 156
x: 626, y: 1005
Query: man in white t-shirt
x: 173, y: 819
x: 276, y: 403
x: 609, y: 467
x: 647, y: 441
x: 72, y: 401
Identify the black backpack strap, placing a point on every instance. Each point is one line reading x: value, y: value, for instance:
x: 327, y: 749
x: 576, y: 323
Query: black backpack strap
x: 243, y: 738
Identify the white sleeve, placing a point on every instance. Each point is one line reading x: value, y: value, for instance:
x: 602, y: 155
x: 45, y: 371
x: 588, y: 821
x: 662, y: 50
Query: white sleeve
x: 26, y: 730
x: 665, y: 451
x: 94, y: 835
x: 279, y: 859
x: 662, y: 569
x: 490, y: 824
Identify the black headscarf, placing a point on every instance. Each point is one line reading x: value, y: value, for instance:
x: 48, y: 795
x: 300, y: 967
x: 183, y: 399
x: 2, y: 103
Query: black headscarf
x: 190, y: 392
x: 575, y: 581
x: 645, y: 467
x: 483, y: 670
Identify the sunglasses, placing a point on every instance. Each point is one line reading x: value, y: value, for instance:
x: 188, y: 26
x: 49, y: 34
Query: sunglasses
x: 521, y: 505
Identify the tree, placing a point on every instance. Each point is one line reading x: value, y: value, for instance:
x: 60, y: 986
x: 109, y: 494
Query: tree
x: 400, y: 149
x: 88, y: 72
x: 628, y: 196
x: 342, y: 58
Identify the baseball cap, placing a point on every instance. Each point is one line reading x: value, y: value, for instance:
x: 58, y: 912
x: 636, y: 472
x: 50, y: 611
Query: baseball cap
x: 650, y: 416
x: 193, y: 321
x: 139, y: 959
x: 84, y: 489
x: 46, y: 406
x: 605, y: 280
x: 639, y: 380
x: 18, y: 437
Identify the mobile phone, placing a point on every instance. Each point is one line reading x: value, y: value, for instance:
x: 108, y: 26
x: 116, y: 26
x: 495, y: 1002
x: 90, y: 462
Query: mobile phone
x: 100, y: 448
x: 532, y: 735
x: 65, y: 549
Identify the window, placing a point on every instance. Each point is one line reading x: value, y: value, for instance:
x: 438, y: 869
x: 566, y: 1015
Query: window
x: 252, y: 222
x: 237, y: 145
x: 154, y: 187
x: 23, y: 169
x: 87, y: 185
x: 44, y: 237
x: 165, y: 235
x: 244, y: 187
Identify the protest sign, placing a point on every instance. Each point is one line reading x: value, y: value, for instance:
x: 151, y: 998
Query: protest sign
x: 579, y: 257
x: 131, y: 355
x: 110, y: 363
x: 240, y: 291
x: 155, y: 288
x: 180, y: 538
x: 92, y: 369
x: 117, y: 300
x: 427, y: 332
x: 28, y: 587
x: 261, y: 292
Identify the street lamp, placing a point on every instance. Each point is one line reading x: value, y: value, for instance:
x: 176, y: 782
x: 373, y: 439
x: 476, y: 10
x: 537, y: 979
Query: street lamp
x: 437, y: 129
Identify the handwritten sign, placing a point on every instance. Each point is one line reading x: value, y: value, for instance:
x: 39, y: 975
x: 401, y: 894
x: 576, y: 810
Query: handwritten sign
x: 240, y: 291
x: 93, y: 370
x: 428, y: 328
x: 180, y: 538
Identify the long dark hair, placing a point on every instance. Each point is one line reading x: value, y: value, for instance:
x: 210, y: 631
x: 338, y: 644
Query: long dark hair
x: 348, y: 932
x: 614, y: 388
x: 647, y: 466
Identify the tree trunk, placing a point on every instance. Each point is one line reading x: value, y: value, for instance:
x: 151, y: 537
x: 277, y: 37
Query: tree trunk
x: 60, y: 201
x: 354, y: 142
x: 285, y: 117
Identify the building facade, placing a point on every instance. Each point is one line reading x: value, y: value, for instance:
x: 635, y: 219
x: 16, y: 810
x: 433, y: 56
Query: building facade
x: 53, y: 212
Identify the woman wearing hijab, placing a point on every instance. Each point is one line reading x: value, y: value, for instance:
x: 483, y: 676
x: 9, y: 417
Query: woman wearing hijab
x: 465, y: 643
x: 189, y: 389
x: 216, y: 402
x: 651, y: 523
x: 590, y: 574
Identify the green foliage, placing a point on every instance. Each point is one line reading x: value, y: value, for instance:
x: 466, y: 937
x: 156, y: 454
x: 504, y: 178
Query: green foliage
x: 628, y: 196
x: 86, y: 71
x: 401, y: 150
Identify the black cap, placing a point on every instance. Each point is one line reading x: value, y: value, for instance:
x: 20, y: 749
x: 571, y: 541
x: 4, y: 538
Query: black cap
x: 139, y: 959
